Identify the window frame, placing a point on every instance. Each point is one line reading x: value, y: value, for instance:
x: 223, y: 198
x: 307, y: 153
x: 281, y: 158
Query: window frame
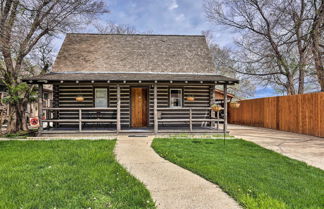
x: 170, y: 97
x: 94, y: 97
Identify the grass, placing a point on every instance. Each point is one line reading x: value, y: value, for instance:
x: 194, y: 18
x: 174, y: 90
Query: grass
x: 254, y: 176
x: 66, y: 174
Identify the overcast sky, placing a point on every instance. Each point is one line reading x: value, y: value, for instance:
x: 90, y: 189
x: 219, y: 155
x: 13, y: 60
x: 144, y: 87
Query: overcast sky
x: 167, y: 17
x: 163, y: 17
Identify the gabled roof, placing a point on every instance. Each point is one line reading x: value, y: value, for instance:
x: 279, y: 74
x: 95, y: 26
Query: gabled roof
x: 134, y: 53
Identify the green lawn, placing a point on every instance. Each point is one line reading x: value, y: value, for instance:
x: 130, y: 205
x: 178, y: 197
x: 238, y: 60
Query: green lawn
x: 254, y: 176
x: 66, y: 174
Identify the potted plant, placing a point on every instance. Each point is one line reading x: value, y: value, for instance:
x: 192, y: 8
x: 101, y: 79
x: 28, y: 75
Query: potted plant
x: 216, y: 107
x: 235, y: 105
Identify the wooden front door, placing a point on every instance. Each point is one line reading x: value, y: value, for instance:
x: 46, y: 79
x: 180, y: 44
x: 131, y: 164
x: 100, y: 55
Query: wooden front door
x: 139, y: 107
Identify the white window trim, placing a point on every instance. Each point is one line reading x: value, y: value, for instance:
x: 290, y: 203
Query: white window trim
x: 107, y: 96
x: 171, y: 97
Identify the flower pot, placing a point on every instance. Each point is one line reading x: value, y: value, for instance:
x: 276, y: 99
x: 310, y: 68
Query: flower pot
x: 191, y: 99
x: 79, y: 98
x: 235, y: 105
x: 216, y: 108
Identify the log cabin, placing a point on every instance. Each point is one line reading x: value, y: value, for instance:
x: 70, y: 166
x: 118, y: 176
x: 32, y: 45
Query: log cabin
x: 114, y: 83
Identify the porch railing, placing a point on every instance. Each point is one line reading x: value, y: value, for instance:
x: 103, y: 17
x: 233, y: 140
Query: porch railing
x: 190, y: 119
x: 81, y: 115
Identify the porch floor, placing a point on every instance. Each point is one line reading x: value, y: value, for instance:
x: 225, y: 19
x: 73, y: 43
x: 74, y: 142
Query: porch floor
x: 112, y: 129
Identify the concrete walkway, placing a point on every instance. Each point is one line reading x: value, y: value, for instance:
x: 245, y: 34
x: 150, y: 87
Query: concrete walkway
x: 170, y: 185
x: 301, y: 147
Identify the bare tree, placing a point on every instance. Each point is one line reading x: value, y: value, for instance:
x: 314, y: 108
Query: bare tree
x: 43, y: 55
x: 112, y: 28
x: 23, y: 23
x: 225, y: 66
x: 317, y: 39
x: 274, y: 47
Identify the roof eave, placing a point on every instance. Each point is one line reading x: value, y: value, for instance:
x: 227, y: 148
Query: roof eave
x: 43, y: 81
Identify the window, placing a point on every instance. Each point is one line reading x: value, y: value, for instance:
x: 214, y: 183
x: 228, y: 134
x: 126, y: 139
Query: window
x: 45, y: 96
x: 101, y: 97
x: 175, y: 97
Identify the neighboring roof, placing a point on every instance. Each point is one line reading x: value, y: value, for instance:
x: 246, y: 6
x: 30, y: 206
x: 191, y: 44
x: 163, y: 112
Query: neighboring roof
x: 130, y: 77
x: 134, y: 53
x: 218, y: 91
x: 48, y: 88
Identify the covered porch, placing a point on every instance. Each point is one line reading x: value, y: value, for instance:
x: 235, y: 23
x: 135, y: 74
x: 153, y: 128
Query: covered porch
x: 133, y: 104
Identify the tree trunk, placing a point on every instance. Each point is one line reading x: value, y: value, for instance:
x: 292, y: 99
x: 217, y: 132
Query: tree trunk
x: 24, y: 116
x: 318, y: 61
x: 290, y: 85
x: 12, y: 122
x: 320, y: 75
x: 316, y: 49
x: 17, y: 120
x: 21, y: 122
x: 3, y: 115
x: 301, y: 78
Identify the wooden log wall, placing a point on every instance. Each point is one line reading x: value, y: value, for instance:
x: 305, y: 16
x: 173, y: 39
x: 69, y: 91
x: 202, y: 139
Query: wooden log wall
x: 302, y: 113
x: 65, y: 93
x: 200, y: 93
x: 125, y: 102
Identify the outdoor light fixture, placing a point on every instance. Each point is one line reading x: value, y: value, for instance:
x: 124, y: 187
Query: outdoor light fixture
x: 191, y: 98
x: 79, y: 98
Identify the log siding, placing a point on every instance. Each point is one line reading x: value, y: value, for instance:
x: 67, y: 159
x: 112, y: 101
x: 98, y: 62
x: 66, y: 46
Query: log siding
x: 65, y: 93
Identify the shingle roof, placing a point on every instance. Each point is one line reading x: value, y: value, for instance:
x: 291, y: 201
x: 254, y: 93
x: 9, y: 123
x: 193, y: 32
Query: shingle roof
x: 131, y: 77
x: 134, y: 53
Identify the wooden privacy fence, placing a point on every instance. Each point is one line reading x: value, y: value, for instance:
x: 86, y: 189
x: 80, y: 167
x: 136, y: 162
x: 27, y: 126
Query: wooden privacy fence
x: 303, y: 113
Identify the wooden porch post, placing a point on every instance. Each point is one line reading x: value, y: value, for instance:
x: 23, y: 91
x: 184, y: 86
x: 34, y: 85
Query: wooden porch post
x: 218, y: 120
x: 225, y: 107
x: 190, y: 119
x: 212, y: 101
x: 118, y: 108
x: 40, y: 108
x: 156, y: 123
x: 80, y: 120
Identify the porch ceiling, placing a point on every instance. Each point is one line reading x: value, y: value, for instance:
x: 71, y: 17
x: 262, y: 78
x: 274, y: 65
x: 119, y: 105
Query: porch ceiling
x: 52, y: 77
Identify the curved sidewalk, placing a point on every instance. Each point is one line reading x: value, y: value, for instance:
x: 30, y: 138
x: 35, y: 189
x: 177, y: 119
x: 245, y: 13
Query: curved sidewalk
x: 170, y: 185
